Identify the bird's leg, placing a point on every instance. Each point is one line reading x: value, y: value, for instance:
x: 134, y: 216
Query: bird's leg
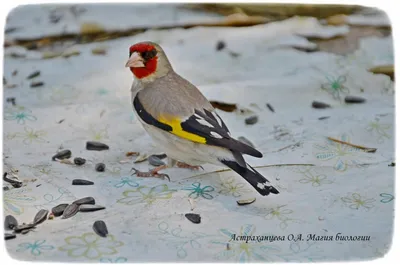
x: 152, y: 173
x: 184, y: 165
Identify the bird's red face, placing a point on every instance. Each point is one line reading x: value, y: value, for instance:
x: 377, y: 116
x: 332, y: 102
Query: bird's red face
x: 142, y: 59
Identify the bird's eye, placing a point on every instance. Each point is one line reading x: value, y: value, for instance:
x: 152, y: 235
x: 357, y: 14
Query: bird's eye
x: 149, y: 54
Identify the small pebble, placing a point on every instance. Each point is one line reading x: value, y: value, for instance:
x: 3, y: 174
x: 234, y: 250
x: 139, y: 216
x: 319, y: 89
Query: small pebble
x: 79, y: 161
x: 59, y: 209
x: 319, y: 105
x: 245, y: 202
x: 64, y: 154
x: 251, y: 120
x: 8, y: 236
x: 97, y: 146
x: 37, y: 84
x: 100, y: 228
x: 100, y: 167
x: 33, y: 75
x: 86, y: 200
x: 270, y: 107
x: 353, y: 99
x: 155, y: 161
x: 193, y: 217
x: 220, y: 45
x: 82, y: 182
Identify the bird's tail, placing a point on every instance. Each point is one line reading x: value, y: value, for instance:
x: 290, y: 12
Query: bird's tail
x: 255, y: 179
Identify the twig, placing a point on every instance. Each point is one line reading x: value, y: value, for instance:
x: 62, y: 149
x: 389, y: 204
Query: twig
x: 366, y: 149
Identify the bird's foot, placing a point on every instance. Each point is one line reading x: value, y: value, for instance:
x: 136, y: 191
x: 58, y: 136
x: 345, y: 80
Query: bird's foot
x: 184, y: 165
x: 152, y: 173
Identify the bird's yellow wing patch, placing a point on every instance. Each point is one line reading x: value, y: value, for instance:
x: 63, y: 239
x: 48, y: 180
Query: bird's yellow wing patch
x: 177, y: 129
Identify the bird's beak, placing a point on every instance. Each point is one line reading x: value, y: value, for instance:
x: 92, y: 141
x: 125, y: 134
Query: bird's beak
x: 135, y: 61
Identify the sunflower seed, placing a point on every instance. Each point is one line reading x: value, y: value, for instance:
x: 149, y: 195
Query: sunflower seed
x: 59, y: 209
x: 82, y: 182
x: 10, y: 222
x: 155, y: 161
x: 97, y: 146
x: 269, y: 106
x: 22, y: 227
x: 353, y: 99
x: 251, y: 120
x: 100, y: 167
x: 70, y: 211
x: 320, y: 105
x: 141, y: 158
x: 100, y: 228
x: 36, y: 84
x: 33, y: 75
x: 220, y: 45
x: 8, y: 236
x: 193, y: 217
x: 160, y: 156
x: 91, y: 208
x: 86, y: 200
x: 245, y: 202
x: 40, y: 216
x: 79, y: 161
x: 64, y: 154
x: 245, y: 141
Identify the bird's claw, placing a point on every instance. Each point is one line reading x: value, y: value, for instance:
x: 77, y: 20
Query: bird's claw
x: 152, y: 173
x: 184, y: 165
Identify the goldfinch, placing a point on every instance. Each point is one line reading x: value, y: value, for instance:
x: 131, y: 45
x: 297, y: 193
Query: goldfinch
x: 182, y: 121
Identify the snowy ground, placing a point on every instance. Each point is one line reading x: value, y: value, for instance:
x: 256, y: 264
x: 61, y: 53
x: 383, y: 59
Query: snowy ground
x: 346, y: 191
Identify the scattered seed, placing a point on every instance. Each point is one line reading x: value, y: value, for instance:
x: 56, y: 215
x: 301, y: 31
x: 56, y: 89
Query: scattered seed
x: 320, y: 105
x: 86, y: 200
x: 61, y: 121
x: 132, y: 153
x: 220, y: 45
x: 38, y: 185
x: 251, y: 120
x: 23, y: 227
x: 160, y: 156
x: 10, y: 222
x: 100, y: 228
x: 40, y: 216
x: 33, y: 75
x: 99, y: 51
x: 70, y: 211
x: 82, y: 182
x: 90, y: 208
x: 270, y: 107
x: 97, y: 146
x: 64, y: 154
x: 37, y: 84
x: 141, y: 158
x: 224, y: 106
x: 245, y: 202
x: 15, y: 183
x: 100, y: 167
x: 155, y: 161
x: 8, y: 236
x: 79, y: 161
x: 246, y: 141
x: 324, y: 118
x: 353, y: 99
x: 234, y: 54
x: 193, y: 217
x: 11, y: 100
x: 59, y: 209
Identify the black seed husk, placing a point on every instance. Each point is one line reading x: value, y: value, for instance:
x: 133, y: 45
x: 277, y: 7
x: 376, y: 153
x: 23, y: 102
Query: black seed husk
x: 193, y: 217
x: 323, y: 118
x: 320, y: 105
x: 33, y: 75
x: 100, y: 167
x: 8, y: 236
x: 353, y: 99
x: 64, y: 154
x: 22, y: 227
x: 79, y: 161
x: 40, y: 216
x: 100, y: 228
x: 245, y: 202
x: 155, y: 161
x: 97, y: 146
x: 270, y: 107
x: 36, y: 84
x: 220, y: 45
x: 59, y: 209
x: 251, y: 120
x: 14, y: 183
x: 90, y: 208
x: 10, y: 222
x: 86, y: 200
x: 245, y: 141
x: 160, y: 156
x: 82, y: 182
x: 70, y: 211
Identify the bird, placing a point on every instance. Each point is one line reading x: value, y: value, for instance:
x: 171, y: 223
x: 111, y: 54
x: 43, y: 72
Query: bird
x: 181, y: 120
